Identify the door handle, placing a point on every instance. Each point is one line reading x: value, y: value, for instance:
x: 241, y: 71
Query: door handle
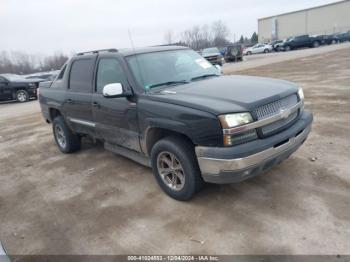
x: 69, y: 101
x: 95, y: 104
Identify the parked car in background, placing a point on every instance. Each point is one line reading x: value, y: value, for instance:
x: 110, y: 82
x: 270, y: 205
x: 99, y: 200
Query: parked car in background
x: 213, y: 55
x: 275, y: 44
x: 328, y: 39
x: 279, y: 46
x: 257, y: 49
x: 15, y: 87
x: 188, y: 122
x: 234, y: 53
x: 343, y: 37
x: 301, y: 42
x: 43, y: 76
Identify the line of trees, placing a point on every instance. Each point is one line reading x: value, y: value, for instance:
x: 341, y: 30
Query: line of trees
x: 199, y: 37
x: 23, y: 63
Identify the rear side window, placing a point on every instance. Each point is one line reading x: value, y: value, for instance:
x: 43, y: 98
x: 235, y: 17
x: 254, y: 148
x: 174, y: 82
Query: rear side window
x: 109, y: 71
x: 80, y: 79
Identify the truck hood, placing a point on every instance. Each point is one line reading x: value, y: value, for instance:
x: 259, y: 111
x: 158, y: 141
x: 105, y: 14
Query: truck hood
x: 226, y: 94
x: 211, y: 54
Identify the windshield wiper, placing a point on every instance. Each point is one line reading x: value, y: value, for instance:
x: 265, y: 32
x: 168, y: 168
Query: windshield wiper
x: 168, y: 83
x: 203, y: 76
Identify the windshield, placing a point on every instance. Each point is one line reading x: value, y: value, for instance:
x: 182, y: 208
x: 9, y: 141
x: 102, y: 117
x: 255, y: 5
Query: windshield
x: 169, y: 67
x: 13, y: 78
x: 210, y: 50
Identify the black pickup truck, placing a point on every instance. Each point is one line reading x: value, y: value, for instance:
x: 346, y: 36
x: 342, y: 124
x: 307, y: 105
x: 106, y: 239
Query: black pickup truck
x: 14, y: 87
x: 169, y: 108
x: 301, y: 42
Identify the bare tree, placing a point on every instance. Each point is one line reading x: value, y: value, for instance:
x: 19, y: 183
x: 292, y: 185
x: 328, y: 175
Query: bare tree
x: 205, y: 36
x: 220, y: 33
x: 169, y: 37
x: 22, y: 63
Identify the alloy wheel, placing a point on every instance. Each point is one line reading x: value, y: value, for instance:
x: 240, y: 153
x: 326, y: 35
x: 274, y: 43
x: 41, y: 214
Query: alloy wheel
x: 171, y: 171
x: 21, y: 96
x: 60, y: 136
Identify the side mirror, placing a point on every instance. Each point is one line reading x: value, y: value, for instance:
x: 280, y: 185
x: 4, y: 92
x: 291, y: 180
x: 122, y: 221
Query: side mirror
x: 114, y: 90
x: 219, y: 69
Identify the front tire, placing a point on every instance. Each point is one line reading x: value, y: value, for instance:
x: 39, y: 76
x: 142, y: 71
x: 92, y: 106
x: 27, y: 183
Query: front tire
x: 22, y: 96
x: 266, y: 51
x: 66, y: 140
x: 175, y: 167
x: 288, y: 48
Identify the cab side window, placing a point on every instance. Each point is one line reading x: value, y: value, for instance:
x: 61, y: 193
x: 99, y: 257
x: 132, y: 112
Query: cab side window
x: 80, y: 79
x: 109, y: 71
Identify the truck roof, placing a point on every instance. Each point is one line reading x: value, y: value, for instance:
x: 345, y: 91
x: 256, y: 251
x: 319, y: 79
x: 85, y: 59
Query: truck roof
x: 141, y: 50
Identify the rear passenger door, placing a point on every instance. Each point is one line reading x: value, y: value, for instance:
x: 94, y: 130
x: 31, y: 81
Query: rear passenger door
x: 77, y: 105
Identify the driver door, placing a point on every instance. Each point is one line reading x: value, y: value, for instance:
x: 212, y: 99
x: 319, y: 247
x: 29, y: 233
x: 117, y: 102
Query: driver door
x: 115, y: 118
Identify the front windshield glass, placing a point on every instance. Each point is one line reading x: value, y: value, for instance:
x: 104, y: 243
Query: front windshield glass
x: 210, y: 50
x: 176, y: 66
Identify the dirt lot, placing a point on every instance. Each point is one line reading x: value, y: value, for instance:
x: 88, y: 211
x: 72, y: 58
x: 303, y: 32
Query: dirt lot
x: 95, y: 202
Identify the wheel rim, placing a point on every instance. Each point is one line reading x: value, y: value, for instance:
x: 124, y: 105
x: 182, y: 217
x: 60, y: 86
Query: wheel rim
x: 21, y: 96
x: 171, y: 171
x: 61, y: 139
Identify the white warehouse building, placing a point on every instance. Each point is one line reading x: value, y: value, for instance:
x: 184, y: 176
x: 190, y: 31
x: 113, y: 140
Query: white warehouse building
x: 326, y: 19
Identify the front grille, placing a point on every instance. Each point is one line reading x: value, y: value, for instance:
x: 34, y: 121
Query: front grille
x: 274, y: 108
x: 268, y: 129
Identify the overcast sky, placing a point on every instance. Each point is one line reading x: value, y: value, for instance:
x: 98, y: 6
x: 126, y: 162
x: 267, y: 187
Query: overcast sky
x: 47, y: 26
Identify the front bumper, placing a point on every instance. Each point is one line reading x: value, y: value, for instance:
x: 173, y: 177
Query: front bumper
x: 234, y: 164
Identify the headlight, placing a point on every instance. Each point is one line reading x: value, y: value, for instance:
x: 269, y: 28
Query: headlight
x: 233, y: 120
x: 301, y: 94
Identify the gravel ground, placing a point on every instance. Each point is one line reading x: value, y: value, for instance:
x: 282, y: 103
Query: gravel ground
x: 94, y: 202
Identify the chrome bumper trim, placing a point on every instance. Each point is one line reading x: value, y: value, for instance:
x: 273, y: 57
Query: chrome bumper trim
x: 214, y: 166
x: 283, y: 114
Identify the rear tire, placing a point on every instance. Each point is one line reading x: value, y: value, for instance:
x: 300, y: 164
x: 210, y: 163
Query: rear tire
x: 266, y: 51
x: 22, y: 96
x: 249, y: 53
x: 66, y: 140
x: 175, y: 167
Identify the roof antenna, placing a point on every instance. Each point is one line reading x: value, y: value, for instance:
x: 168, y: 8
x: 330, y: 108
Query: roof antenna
x: 136, y: 56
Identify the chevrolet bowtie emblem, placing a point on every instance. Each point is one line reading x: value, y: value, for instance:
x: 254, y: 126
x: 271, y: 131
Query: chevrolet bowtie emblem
x: 284, y: 113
